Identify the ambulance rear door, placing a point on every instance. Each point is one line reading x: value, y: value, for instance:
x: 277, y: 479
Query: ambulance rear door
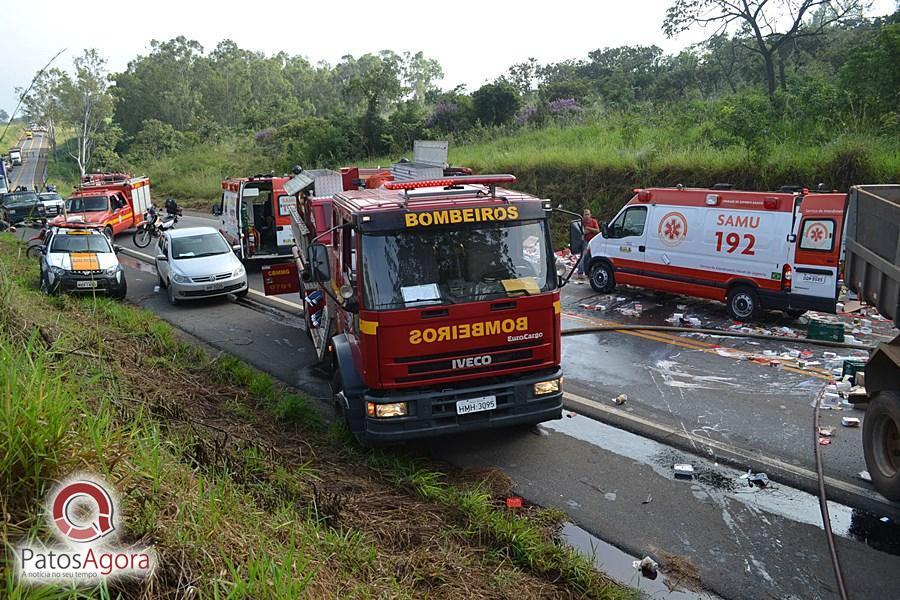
x: 818, y: 249
x: 231, y: 218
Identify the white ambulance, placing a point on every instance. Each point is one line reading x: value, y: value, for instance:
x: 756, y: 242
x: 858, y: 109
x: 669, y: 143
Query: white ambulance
x: 751, y: 250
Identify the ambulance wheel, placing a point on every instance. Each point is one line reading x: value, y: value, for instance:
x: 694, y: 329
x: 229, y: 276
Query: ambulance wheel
x: 108, y: 232
x: 602, y: 278
x: 881, y: 443
x: 742, y: 303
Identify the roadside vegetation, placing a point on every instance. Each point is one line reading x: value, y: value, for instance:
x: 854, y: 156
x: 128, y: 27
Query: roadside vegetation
x: 810, y: 101
x: 241, y: 485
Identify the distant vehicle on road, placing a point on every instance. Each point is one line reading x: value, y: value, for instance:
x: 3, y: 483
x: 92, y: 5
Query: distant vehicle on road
x: 15, y: 157
x: 81, y: 260
x: 28, y: 134
x: 53, y: 203
x: 16, y: 207
x: 751, y: 250
x: 4, y: 182
x: 198, y: 262
x: 114, y: 202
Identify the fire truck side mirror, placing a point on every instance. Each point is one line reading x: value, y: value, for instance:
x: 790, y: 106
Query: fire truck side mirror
x: 320, y: 269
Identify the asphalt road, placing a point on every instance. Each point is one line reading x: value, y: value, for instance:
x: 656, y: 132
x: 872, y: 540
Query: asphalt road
x: 746, y: 542
x: 704, y: 388
x: 31, y: 172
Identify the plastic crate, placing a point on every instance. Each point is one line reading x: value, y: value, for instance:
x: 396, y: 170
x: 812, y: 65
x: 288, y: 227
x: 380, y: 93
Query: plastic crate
x: 851, y: 368
x: 820, y: 330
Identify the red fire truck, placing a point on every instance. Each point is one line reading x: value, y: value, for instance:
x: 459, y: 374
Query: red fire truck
x: 752, y: 250
x: 113, y: 202
x: 436, y: 303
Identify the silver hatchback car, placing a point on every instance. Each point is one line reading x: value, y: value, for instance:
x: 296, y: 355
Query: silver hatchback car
x: 197, y: 262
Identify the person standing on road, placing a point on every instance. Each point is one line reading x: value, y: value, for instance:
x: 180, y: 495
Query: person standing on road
x: 590, y: 228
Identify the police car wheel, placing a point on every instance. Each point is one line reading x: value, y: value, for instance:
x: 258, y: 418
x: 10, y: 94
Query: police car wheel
x: 45, y: 285
x: 742, y: 303
x: 602, y: 278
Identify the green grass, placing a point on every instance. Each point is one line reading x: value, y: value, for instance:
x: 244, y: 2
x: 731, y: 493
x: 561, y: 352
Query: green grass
x: 231, y: 477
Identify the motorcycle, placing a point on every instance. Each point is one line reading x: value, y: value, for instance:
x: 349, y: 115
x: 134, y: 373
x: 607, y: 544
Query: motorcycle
x: 36, y: 244
x: 153, y: 225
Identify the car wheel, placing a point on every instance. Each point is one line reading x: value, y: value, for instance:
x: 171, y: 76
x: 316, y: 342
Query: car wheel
x: 172, y: 299
x: 742, y: 303
x: 602, y: 279
x: 881, y: 443
x: 120, y: 294
x: 108, y: 232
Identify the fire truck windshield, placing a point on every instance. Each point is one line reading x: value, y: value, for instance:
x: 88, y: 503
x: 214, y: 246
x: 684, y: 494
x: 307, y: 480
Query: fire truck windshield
x: 420, y: 267
x: 88, y: 204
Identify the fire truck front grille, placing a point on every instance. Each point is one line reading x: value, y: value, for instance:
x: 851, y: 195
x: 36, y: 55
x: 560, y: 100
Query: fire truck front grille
x: 468, y: 362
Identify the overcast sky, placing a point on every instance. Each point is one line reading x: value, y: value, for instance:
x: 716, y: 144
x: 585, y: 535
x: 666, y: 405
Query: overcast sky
x: 474, y: 40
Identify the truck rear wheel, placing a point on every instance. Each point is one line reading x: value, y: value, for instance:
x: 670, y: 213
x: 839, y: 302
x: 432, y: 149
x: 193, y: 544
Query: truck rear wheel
x: 602, y: 280
x: 742, y: 303
x: 881, y: 443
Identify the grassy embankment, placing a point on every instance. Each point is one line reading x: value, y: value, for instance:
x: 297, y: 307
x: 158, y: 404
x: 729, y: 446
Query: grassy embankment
x: 239, y: 484
x: 596, y: 163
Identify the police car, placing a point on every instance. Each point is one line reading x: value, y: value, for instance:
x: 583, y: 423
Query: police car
x: 81, y: 260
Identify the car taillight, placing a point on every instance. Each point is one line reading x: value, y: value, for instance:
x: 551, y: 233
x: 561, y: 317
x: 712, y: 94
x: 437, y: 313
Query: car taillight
x: 786, y: 275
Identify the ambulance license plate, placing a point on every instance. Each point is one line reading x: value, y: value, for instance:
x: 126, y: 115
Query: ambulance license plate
x: 464, y: 407
x: 813, y: 278
x: 213, y: 287
x: 86, y: 284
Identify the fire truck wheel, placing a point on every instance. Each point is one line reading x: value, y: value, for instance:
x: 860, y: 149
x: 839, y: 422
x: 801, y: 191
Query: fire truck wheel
x: 602, y: 279
x: 742, y: 303
x: 881, y: 443
x: 108, y: 232
x: 336, y: 386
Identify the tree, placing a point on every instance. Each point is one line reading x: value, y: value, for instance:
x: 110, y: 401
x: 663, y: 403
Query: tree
x: 496, y: 103
x: 761, y: 21
x: 87, y: 102
x: 374, y: 82
x: 419, y: 75
x: 871, y: 74
x: 43, y: 104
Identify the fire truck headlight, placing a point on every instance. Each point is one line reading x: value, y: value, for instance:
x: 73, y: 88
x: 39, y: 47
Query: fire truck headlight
x: 392, y: 409
x: 547, y: 387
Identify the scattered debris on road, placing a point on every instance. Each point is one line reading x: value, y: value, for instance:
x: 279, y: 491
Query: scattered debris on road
x: 826, y: 431
x: 621, y: 399
x: 760, y: 480
x: 514, y: 502
x: 648, y: 499
x: 684, y: 471
x: 864, y: 475
x: 850, y: 421
x: 648, y: 567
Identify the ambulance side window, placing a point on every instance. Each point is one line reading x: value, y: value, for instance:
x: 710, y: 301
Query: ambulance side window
x: 817, y: 234
x: 629, y: 223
